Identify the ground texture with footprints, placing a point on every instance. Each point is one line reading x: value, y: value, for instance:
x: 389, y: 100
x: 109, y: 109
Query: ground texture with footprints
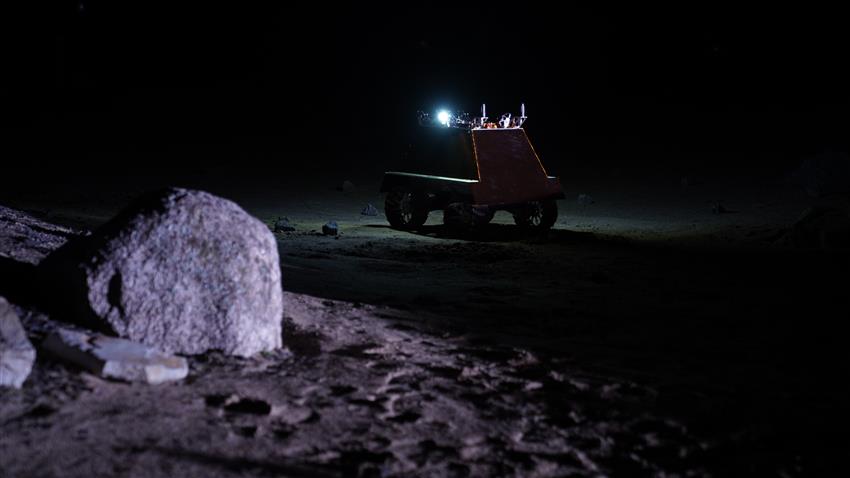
x: 359, y: 391
x: 694, y: 345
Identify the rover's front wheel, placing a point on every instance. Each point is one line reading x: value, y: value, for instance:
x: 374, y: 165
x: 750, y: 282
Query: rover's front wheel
x: 406, y: 209
x: 537, y: 214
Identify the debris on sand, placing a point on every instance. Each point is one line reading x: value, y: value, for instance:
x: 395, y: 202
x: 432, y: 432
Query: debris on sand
x: 585, y: 199
x: 282, y: 225
x: 369, y: 210
x: 114, y: 358
x: 346, y: 187
x: 330, y: 229
x: 16, y: 352
x: 183, y: 271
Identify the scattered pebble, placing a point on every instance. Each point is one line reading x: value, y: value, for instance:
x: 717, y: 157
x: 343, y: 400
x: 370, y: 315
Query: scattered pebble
x: 330, y: 229
x: 282, y: 225
x: 369, y: 210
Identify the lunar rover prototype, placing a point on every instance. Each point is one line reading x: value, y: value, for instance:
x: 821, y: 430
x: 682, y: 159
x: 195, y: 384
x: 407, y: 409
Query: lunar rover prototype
x: 492, y: 167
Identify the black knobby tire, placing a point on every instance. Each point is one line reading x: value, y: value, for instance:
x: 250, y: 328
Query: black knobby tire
x: 537, y: 215
x: 406, y: 209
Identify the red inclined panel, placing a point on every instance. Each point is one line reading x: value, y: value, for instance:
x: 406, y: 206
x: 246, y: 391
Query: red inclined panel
x: 509, y: 170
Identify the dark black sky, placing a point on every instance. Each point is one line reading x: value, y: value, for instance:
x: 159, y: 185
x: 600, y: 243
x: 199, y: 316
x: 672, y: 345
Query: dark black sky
x: 87, y: 81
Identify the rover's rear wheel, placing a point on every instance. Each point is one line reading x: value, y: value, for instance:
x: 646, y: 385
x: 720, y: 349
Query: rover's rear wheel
x: 406, y: 209
x: 537, y: 214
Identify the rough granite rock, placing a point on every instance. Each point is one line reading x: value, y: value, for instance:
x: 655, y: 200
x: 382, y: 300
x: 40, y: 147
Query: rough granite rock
x: 16, y: 352
x: 115, y: 358
x: 184, y: 271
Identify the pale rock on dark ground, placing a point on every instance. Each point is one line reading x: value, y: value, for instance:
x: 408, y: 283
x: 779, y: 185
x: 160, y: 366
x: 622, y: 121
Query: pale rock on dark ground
x: 115, y: 358
x: 183, y: 271
x: 16, y: 352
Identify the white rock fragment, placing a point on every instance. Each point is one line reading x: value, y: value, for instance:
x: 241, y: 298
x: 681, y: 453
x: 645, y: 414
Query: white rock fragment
x: 16, y: 352
x: 291, y: 414
x: 115, y: 358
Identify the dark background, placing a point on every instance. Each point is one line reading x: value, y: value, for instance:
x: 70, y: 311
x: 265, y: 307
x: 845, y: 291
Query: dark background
x: 116, y: 89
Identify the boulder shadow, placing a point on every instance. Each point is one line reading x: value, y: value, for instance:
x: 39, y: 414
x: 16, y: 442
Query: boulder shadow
x: 19, y: 282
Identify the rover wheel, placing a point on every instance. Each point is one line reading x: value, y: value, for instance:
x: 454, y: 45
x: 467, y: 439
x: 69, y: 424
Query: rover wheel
x: 406, y: 210
x: 537, y: 214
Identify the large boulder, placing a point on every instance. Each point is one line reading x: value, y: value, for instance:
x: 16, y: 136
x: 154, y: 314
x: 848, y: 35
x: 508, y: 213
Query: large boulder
x: 183, y: 271
x: 16, y: 352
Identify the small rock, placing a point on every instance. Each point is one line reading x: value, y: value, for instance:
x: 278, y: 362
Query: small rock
x: 330, y: 229
x: 369, y: 210
x: 292, y: 414
x: 282, y: 225
x: 346, y: 186
x: 16, y: 352
x: 585, y: 199
x: 114, y: 358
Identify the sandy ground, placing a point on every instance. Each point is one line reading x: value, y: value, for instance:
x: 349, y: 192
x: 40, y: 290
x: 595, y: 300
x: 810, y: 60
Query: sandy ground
x: 643, y: 336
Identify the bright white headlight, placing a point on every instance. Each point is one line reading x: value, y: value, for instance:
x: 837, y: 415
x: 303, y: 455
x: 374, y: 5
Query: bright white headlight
x: 443, y: 117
